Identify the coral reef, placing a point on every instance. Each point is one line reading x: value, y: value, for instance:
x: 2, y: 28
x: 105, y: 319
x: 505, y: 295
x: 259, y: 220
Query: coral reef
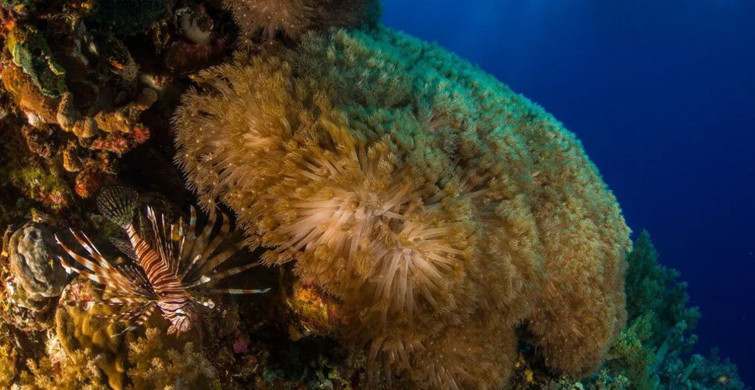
x: 433, y: 228
x: 293, y: 18
x: 37, y: 85
x: 89, y: 351
x: 425, y: 195
x: 79, y: 85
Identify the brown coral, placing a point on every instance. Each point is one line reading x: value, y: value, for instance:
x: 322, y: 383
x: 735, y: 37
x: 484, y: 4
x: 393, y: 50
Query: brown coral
x: 31, y: 253
x: 292, y: 18
x: 442, y: 209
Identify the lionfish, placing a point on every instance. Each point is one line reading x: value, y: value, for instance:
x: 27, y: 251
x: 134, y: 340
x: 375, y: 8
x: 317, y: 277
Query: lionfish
x: 167, y: 270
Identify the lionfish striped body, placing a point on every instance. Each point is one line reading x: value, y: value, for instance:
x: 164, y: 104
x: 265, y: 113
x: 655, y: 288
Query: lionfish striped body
x: 168, y: 269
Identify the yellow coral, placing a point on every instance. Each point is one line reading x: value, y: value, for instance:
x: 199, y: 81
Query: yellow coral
x: 103, y: 354
x: 8, y: 354
x: 157, y: 365
x: 443, y: 209
x: 79, y: 372
x: 89, y: 328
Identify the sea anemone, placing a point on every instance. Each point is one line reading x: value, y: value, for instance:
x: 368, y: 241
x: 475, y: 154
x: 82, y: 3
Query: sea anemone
x: 443, y: 211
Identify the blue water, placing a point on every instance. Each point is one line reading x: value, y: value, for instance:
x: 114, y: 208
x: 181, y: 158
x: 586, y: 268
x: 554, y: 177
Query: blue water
x: 662, y: 94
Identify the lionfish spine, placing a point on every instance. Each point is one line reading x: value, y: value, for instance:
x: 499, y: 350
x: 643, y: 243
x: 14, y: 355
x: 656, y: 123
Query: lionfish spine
x: 117, y: 204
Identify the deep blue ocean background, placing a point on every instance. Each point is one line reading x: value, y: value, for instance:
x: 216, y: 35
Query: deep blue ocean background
x: 662, y: 95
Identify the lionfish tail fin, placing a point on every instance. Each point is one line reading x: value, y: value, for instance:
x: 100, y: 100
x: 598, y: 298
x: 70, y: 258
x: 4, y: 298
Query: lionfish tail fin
x: 117, y: 204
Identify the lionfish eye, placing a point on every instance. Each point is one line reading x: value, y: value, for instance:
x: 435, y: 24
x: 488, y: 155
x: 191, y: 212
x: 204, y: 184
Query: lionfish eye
x: 180, y: 313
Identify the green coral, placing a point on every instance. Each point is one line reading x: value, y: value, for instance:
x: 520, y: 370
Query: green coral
x: 657, y: 302
x: 652, y: 287
x: 24, y: 175
x: 43, y: 182
x: 30, y: 51
x: 629, y: 353
x: 703, y: 373
x: 654, y: 351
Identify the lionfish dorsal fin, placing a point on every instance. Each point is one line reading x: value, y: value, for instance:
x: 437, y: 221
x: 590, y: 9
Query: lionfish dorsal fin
x: 117, y: 204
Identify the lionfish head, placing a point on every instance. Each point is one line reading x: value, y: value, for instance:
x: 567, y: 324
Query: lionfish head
x: 180, y: 314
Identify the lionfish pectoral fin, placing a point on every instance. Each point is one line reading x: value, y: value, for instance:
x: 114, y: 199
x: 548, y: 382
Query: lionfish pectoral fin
x: 117, y: 204
x: 124, y: 331
x: 124, y: 246
x: 221, y: 275
x: 135, y: 318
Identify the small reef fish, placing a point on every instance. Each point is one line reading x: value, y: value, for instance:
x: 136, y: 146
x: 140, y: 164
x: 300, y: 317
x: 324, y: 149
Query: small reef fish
x: 168, y: 270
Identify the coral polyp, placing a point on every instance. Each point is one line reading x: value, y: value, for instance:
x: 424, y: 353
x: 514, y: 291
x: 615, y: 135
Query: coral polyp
x: 351, y: 209
x: 167, y: 269
x: 293, y: 18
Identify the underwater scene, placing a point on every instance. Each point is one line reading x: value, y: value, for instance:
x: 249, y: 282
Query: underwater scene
x: 366, y: 194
